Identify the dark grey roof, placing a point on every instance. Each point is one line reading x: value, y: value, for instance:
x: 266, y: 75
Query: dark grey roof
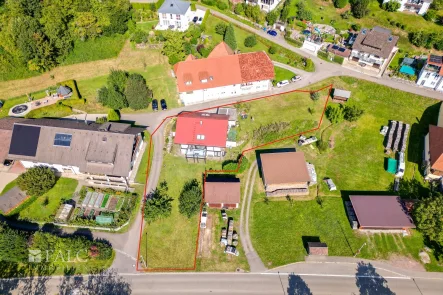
x: 174, y: 7
x: 94, y: 148
x: 377, y: 41
x: 11, y: 199
x: 7, y: 123
x: 64, y: 90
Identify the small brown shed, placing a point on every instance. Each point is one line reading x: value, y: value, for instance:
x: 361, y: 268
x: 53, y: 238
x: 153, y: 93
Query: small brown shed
x: 340, y: 95
x: 222, y: 193
x: 317, y: 248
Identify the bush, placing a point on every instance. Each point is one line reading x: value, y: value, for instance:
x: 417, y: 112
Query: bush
x: 340, y: 3
x: 322, y: 145
x: 220, y: 28
x: 352, y: 113
x: 250, y: 41
x: 222, y: 5
x: 334, y: 114
x: 314, y: 95
x: 208, y: 2
x: 205, y: 19
x: 359, y: 8
x: 229, y: 37
x: 158, y: 204
x: 391, y: 6
x: 294, y: 42
x: 272, y: 50
x: 139, y: 36
x: 338, y: 59
x: 309, y: 65
x: 232, y: 165
x: 190, y: 198
x: 73, y: 85
x: 137, y: 93
x: 113, y: 115
x: 36, y: 181
x: 431, y: 15
x: 356, y: 27
x: 193, y: 8
x: 239, y: 9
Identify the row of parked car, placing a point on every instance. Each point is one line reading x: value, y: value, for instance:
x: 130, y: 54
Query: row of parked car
x: 286, y: 82
x: 162, y: 104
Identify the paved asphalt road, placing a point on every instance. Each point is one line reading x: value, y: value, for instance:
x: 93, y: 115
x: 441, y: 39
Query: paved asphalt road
x: 300, y: 278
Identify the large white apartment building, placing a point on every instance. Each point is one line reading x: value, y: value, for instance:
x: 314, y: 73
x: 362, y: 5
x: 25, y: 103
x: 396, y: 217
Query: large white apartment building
x: 223, y: 74
x: 374, y: 47
x: 431, y: 75
x: 418, y: 6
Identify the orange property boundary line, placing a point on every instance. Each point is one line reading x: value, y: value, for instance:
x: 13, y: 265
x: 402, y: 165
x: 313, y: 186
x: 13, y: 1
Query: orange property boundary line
x: 216, y: 171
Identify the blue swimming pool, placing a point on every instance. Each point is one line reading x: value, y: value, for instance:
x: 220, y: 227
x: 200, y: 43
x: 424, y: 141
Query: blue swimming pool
x: 408, y: 70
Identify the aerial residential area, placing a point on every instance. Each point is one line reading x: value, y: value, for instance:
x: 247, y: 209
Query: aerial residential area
x: 221, y: 146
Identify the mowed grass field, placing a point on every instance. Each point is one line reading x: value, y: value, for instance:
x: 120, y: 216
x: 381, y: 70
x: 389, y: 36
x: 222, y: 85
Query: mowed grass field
x: 356, y: 164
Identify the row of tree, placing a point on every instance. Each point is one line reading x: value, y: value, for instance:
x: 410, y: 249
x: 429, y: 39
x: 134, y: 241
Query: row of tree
x: 41, y: 33
x: 159, y: 203
x: 125, y: 90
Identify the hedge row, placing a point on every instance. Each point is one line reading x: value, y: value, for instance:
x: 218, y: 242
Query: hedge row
x: 73, y: 85
x: 325, y: 56
x: 294, y: 42
x: 205, y: 18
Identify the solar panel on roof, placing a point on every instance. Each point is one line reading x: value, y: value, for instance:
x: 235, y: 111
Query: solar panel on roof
x: 436, y: 58
x: 335, y: 47
x: 341, y: 49
x: 62, y: 139
x: 24, y: 140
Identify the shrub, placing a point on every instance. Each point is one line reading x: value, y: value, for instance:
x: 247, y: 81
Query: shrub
x: 36, y: 181
x: 101, y: 120
x: 338, y: 59
x: 137, y: 93
x: 322, y: 145
x: 193, y: 8
x: 208, y: 2
x: 113, y: 115
x: 139, y: 36
x: 352, y: 113
x: 250, y: 41
x: 232, y: 165
x: 334, y: 114
x: 272, y: 50
x: 356, y: 27
x: 159, y: 3
x: 220, y: 28
x: 229, y: 37
x: 205, y: 19
x: 309, y: 65
x: 359, y: 8
x: 222, y: 5
x: 272, y: 17
x: 340, y: 3
x: 431, y: 15
x: 391, y: 6
x: 239, y: 9
x: 190, y: 198
x: 158, y: 204
x: 314, y: 95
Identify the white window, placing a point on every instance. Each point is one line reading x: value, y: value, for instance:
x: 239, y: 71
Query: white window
x: 165, y: 22
x: 164, y: 15
x: 204, y: 81
x: 427, y: 75
x: 171, y: 16
x: 188, y: 82
x: 178, y: 24
x: 200, y: 137
x: 177, y: 16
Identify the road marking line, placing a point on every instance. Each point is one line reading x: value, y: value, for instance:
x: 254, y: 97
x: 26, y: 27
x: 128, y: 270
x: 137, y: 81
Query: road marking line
x: 332, y: 275
x: 126, y: 254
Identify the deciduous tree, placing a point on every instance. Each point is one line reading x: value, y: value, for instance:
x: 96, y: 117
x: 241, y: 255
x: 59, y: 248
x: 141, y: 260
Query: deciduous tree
x: 359, y: 8
x: 137, y: 93
x: 428, y: 215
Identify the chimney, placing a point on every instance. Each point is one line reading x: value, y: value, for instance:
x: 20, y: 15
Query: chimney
x: 201, y: 122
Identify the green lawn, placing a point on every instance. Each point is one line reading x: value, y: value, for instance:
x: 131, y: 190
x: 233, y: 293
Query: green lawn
x: 99, y: 48
x: 324, y: 12
x: 9, y: 103
x: 356, y: 164
x: 142, y: 169
x: 158, y: 78
x: 44, y: 208
x: 147, y: 26
x: 282, y: 74
x: 9, y: 186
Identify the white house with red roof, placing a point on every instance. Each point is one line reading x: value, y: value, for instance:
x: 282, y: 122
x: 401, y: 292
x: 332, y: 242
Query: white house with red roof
x: 223, y: 74
x: 202, y: 135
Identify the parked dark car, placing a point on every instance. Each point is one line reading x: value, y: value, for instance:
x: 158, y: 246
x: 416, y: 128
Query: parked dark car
x: 154, y: 105
x: 163, y: 104
x: 272, y: 33
x: 1, y: 103
x: 195, y: 19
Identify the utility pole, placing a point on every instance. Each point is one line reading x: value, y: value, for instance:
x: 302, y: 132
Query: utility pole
x: 358, y: 252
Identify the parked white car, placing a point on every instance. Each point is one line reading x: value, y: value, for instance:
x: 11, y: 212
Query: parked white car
x: 203, y: 219
x: 296, y: 78
x: 282, y: 83
x: 401, y: 165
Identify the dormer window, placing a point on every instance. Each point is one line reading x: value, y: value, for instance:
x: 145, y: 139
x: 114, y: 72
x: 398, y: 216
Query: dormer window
x: 204, y: 81
x: 188, y: 83
x: 200, y: 137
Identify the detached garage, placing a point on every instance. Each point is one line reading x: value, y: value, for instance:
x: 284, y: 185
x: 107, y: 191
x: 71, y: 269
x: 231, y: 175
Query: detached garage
x: 222, y: 193
x: 386, y: 213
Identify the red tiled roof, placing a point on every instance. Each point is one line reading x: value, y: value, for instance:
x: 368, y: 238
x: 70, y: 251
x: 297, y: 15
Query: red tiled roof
x: 436, y: 147
x: 212, y: 127
x: 223, y: 70
x: 190, y: 57
x: 222, y: 49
